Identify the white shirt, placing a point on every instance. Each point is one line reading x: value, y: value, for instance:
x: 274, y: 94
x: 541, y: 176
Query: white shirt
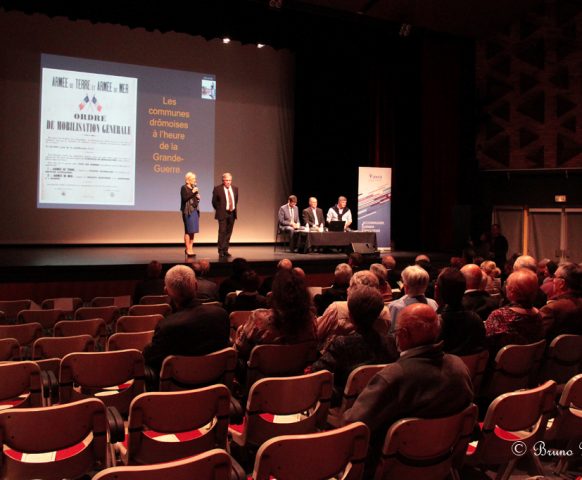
x: 228, y: 205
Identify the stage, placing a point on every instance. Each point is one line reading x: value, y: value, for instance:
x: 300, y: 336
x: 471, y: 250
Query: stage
x: 40, y: 272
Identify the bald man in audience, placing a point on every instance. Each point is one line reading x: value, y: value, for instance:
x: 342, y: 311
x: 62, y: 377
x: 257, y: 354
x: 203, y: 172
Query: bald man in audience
x: 415, y: 280
x: 193, y: 329
x: 563, y: 314
x: 476, y: 299
x: 424, y: 382
x: 336, y: 319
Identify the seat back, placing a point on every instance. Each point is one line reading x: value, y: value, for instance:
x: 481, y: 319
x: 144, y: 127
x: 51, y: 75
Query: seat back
x: 182, y: 372
x: 58, y: 347
x: 24, y: 333
x: 215, y: 464
x: 515, y: 367
x: 94, y: 326
x: 107, y: 313
x: 154, y: 299
x: 521, y: 415
x: 54, y: 429
x: 68, y: 305
x: 153, y: 414
x: 425, y: 448
x: 12, y: 307
x: 306, y: 397
x: 563, y: 359
x: 130, y: 340
x: 137, y: 323
x: 102, y: 301
x: 9, y: 349
x: 20, y: 385
x: 357, y: 381
x: 279, y: 360
x: 340, y: 454
x: 47, y: 318
x: 567, y: 424
x: 476, y: 364
x: 163, y: 309
x: 116, y: 377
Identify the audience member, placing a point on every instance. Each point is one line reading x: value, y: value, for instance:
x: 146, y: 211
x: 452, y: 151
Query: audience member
x: 382, y: 274
x: 393, y: 275
x: 414, y: 282
x: 152, y: 284
x: 234, y: 282
x: 493, y: 285
x: 193, y: 329
x: 424, y: 382
x: 364, y: 346
x: 476, y: 299
x: 267, y: 285
x: 299, y: 272
x: 336, y: 318
x: 338, y: 290
x: 289, y: 320
x: 356, y: 261
x: 547, y: 285
x: 528, y: 262
x: 563, y: 313
x: 207, y: 290
x: 519, y: 322
x: 423, y: 261
x: 457, y: 262
x: 249, y: 298
x: 463, y: 332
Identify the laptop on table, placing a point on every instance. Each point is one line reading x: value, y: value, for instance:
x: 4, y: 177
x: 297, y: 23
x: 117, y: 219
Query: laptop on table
x: 337, y: 226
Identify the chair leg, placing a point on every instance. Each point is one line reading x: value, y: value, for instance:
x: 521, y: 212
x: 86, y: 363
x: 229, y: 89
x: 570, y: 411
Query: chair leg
x: 504, y: 472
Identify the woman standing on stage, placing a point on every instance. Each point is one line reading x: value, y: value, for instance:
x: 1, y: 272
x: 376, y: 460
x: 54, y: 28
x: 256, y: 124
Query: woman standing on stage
x: 190, y: 197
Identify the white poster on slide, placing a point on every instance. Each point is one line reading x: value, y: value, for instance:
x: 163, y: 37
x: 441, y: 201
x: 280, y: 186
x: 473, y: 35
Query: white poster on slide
x: 87, y: 140
x: 374, y: 203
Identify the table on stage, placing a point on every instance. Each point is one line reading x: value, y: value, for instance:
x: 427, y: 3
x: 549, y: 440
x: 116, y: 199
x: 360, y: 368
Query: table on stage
x: 316, y: 239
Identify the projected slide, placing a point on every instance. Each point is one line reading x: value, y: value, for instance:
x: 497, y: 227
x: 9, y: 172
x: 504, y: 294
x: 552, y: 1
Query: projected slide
x: 116, y: 136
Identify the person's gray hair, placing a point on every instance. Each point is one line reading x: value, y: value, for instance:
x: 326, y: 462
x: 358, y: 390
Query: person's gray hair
x: 525, y: 261
x: 380, y: 271
x: 180, y: 282
x: 342, y: 274
x: 364, y: 277
x: 415, y: 279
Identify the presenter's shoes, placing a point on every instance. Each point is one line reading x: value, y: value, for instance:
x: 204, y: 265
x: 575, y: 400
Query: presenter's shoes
x: 226, y: 254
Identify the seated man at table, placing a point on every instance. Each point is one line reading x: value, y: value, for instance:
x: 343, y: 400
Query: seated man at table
x: 313, y: 216
x: 289, y: 221
x: 340, y: 212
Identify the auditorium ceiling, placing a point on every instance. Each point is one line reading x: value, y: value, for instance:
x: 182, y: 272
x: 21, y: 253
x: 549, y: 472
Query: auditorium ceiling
x: 285, y: 23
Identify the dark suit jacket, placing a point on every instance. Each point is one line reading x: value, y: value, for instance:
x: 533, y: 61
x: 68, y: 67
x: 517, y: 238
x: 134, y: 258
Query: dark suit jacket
x: 309, y: 219
x: 195, y: 330
x: 480, y: 302
x: 207, y: 291
x: 219, y: 201
x: 562, y: 315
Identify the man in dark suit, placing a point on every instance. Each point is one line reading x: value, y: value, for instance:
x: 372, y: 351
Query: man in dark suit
x: 225, y: 203
x: 476, y: 299
x: 193, y: 329
x: 288, y: 219
x: 313, y: 216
